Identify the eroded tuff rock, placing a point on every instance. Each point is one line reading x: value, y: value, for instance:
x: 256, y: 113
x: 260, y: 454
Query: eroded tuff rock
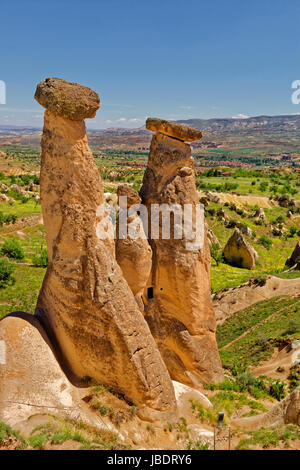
x: 285, y: 412
x: 173, y: 129
x: 294, y: 260
x: 179, y: 309
x: 239, y: 252
x: 228, y: 302
x: 67, y: 99
x: 31, y: 379
x: 212, y: 238
x: 134, y: 255
x: 85, y: 302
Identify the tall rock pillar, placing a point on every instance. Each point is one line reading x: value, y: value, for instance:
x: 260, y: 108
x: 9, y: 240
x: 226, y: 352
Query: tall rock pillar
x: 85, y: 302
x: 179, y: 309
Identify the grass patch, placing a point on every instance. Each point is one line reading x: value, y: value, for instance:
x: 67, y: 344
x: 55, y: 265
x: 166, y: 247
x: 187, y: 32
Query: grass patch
x: 258, y: 344
x: 242, y: 321
x: 22, y: 295
x: 270, y: 437
x: 6, y: 432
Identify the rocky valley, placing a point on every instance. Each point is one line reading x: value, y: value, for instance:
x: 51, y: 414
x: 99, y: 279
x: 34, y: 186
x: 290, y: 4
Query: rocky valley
x: 124, y: 328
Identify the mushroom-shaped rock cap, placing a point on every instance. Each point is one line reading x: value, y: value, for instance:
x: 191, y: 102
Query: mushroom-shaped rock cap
x: 173, y: 129
x: 67, y: 99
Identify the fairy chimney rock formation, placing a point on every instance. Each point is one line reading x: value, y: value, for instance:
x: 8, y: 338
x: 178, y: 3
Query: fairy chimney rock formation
x: 239, y: 252
x: 134, y: 255
x: 85, y: 303
x: 179, y: 309
x: 294, y: 260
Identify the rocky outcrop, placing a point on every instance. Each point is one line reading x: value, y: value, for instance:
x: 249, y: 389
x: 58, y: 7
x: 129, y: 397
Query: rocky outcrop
x: 66, y: 99
x: 184, y: 395
x: 285, y: 412
x: 294, y: 260
x: 30, y: 375
x: 134, y: 255
x: 212, y: 238
x: 179, y: 309
x: 85, y: 302
x: 111, y: 199
x: 239, y: 252
x: 4, y: 198
x: 173, y: 129
x: 260, y: 214
x: 235, y: 299
x: 240, y: 201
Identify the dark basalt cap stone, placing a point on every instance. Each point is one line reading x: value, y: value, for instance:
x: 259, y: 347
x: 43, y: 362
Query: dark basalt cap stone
x: 67, y: 99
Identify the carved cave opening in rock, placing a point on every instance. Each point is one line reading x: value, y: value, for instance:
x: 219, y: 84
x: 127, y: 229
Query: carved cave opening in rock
x: 150, y: 293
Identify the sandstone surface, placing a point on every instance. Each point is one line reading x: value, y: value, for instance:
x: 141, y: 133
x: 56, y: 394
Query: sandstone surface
x: 294, y: 259
x: 287, y: 411
x: 85, y: 302
x: 179, y: 309
x: 134, y: 255
x: 31, y: 378
x: 67, y: 99
x: 227, y: 302
x: 239, y: 252
x: 173, y: 129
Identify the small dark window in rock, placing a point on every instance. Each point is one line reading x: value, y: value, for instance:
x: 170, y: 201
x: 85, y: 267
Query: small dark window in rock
x: 150, y: 293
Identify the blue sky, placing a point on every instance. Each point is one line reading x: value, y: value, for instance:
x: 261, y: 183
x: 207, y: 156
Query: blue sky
x: 164, y: 58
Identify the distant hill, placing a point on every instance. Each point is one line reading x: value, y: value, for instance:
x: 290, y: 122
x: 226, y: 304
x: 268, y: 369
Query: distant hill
x: 283, y: 123
x: 267, y: 124
x: 19, y: 130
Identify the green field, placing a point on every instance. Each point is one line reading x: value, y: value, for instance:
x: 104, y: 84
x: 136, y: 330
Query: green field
x: 262, y: 325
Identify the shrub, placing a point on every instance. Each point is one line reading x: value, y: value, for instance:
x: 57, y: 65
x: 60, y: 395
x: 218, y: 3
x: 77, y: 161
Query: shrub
x: 231, y: 223
x: 42, y: 259
x: 245, y: 381
x: 7, y: 432
x: 293, y: 231
x: 262, y: 342
x: 294, y: 377
x: 238, y: 367
x: 13, y: 249
x: 6, y: 219
x: 197, y: 445
x: 10, y: 218
x: 18, y: 196
x: 280, y: 219
x: 294, y: 326
x: 6, y: 271
x: 25, y: 179
x: 265, y: 241
x: 263, y: 186
x: 277, y: 390
x: 216, y: 253
x: 260, y: 280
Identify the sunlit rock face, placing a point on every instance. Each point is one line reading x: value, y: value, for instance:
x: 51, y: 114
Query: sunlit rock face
x: 133, y: 252
x: 179, y: 308
x: 85, y: 302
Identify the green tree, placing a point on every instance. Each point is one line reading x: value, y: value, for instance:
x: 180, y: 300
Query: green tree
x: 216, y: 253
x: 13, y: 249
